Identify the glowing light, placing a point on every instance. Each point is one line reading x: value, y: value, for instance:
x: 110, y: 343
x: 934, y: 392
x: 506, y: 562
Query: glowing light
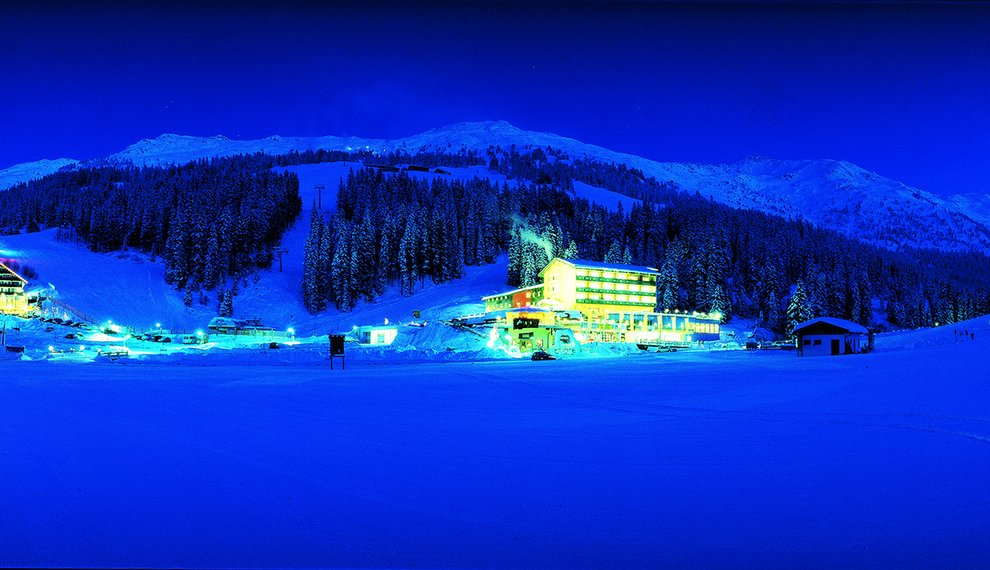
x: 492, y: 337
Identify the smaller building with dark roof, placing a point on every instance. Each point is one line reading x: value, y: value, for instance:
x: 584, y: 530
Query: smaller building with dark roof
x: 829, y: 336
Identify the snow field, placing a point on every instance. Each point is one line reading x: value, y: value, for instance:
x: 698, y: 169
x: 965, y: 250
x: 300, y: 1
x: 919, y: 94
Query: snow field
x: 718, y: 459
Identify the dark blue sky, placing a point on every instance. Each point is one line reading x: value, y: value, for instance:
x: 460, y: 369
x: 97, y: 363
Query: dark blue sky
x: 901, y: 89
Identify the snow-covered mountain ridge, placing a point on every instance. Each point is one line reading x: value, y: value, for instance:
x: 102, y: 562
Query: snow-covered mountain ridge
x: 830, y: 193
x: 32, y: 171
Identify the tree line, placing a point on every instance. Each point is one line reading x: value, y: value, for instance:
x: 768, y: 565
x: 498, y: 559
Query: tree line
x: 218, y: 219
x: 712, y: 257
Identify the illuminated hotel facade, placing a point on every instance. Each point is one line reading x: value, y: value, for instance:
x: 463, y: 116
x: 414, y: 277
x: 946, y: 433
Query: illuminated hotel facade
x: 593, y: 287
x: 13, y: 301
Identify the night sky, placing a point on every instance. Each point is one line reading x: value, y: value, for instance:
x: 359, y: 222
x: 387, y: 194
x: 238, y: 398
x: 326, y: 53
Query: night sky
x: 900, y: 89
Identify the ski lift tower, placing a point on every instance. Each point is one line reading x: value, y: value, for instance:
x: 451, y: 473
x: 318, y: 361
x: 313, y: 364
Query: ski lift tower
x: 319, y: 196
x: 280, y: 250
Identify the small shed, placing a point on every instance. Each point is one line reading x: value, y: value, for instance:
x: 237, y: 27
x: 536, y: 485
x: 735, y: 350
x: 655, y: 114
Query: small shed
x: 370, y: 334
x: 830, y: 336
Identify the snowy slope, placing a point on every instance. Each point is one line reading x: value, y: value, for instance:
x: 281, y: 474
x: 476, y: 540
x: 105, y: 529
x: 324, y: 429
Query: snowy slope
x: 604, y: 198
x: 129, y: 288
x: 32, y: 171
x: 837, y: 195
x: 976, y: 204
x: 178, y: 149
x: 170, y: 148
x: 830, y: 193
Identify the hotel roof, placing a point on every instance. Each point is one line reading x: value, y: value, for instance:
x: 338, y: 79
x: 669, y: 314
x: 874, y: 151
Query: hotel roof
x: 586, y: 264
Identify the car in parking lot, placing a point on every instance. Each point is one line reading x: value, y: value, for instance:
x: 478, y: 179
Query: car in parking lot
x: 542, y: 355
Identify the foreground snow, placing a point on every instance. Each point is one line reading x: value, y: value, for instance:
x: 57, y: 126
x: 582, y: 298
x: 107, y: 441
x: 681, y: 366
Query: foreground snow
x: 723, y: 458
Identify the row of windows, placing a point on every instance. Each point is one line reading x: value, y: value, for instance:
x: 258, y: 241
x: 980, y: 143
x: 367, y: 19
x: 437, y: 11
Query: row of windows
x: 591, y: 294
x: 650, y: 289
x: 592, y: 273
x: 627, y: 303
x: 704, y: 327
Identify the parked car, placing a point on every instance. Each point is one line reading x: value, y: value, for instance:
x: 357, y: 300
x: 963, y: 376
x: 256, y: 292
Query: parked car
x: 543, y: 355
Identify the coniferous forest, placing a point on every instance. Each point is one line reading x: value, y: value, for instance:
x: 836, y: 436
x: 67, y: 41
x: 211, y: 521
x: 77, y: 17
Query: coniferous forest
x: 395, y: 229
x: 207, y: 220
x: 213, y: 220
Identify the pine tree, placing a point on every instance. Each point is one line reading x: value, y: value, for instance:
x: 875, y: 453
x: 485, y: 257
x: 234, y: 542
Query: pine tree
x: 212, y: 269
x: 384, y: 260
x: 176, y: 254
x: 771, y: 314
x: 363, y: 259
x: 614, y: 254
x: 534, y: 260
x: 313, y: 296
x: 324, y: 260
x: 668, y: 283
x: 514, y: 277
x: 798, y: 310
x: 571, y: 252
x: 407, y: 257
x: 340, y: 267
x: 226, y: 303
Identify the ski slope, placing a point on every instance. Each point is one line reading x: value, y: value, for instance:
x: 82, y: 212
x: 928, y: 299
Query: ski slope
x: 129, y: 287
x: 725, y: 459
